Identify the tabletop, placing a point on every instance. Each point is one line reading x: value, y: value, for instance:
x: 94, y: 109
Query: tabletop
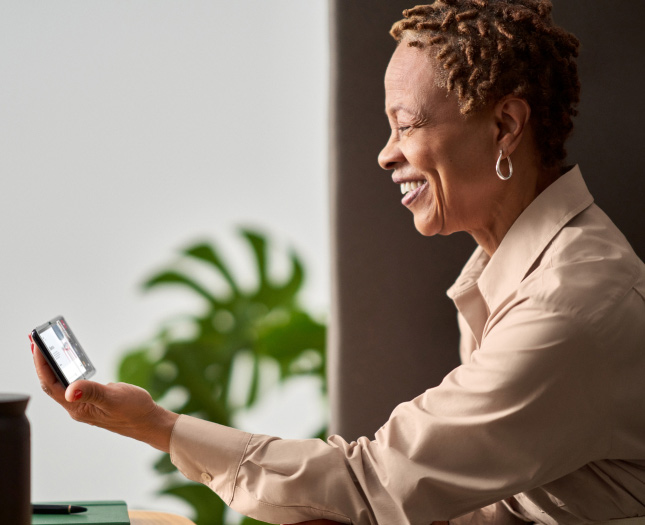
x: 145, y: 517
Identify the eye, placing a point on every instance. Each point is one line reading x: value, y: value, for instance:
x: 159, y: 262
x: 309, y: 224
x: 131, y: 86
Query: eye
x: 403, y: 129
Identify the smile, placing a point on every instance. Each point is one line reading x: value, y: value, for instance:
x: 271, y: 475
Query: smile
x: 411, y: 186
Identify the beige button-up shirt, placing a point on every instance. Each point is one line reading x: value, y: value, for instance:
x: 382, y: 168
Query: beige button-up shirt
x: 544, y: 420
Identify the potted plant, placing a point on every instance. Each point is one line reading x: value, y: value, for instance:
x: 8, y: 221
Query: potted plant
x: 258, y: 324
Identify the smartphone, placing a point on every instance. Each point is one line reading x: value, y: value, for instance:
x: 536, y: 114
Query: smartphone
x: 63, y: 352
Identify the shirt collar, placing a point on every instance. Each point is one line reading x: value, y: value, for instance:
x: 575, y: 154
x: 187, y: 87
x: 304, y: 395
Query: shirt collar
x: 533, y: 230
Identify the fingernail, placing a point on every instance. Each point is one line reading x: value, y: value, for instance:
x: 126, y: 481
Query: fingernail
x: 77, y: 395
x: 32, y: 348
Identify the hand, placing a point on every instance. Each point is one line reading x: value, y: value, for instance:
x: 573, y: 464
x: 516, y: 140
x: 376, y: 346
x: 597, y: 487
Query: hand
x: 119, y: 407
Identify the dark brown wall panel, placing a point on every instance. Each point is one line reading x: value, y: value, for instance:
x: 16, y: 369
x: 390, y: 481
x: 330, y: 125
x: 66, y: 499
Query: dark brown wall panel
x: 393, y: 331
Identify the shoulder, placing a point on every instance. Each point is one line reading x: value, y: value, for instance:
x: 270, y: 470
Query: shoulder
x: 588, y: 269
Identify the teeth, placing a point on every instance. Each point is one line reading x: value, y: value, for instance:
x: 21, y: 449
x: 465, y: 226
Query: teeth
x: 410, y: 186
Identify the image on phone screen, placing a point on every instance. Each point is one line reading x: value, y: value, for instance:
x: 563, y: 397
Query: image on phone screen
x: 63, y: 352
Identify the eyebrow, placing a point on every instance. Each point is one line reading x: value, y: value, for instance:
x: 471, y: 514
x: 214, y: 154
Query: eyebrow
x: 398, y: 107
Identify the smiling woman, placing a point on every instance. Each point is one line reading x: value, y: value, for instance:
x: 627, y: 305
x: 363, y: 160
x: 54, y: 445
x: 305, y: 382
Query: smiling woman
x: 510, y: 75
x: 448, y: 155
x: 542, y: 421
x: 448, y: 160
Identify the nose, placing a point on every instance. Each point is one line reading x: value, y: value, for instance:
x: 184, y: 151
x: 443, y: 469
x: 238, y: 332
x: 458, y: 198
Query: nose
x: 391, y: 154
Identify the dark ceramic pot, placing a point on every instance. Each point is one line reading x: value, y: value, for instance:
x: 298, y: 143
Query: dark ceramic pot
x: 15, y: 460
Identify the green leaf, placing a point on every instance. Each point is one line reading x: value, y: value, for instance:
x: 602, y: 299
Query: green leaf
x: 164, y: 466
x: 174, y: 277
x: 136, y: 368
x: 255, y: 382
x: 208, y: 254
x: 191, y: 369
x: 322, y: 434
x: 258, y: 246
x: 286, y: 340
x: 290, y: 289
x: 209, y: 508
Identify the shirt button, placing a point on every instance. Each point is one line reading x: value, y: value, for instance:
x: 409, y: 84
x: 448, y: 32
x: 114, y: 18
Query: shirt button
x: 206, y: 478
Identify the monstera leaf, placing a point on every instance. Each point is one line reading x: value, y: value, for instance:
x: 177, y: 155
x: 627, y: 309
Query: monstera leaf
x: 263, y: 321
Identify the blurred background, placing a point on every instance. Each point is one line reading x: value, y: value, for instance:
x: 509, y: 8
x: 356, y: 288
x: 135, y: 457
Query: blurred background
x: 128, y: 131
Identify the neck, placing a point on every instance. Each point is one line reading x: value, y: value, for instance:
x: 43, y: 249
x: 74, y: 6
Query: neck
x: 515, y: 195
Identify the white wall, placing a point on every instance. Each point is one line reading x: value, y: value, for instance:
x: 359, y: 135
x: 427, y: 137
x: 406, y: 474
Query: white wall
x: 128, y: 129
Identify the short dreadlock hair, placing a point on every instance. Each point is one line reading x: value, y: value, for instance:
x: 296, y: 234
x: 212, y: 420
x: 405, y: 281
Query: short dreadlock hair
x: 487, y: 49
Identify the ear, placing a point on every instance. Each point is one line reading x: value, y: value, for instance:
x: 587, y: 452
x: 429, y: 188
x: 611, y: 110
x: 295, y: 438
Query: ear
x: 512, y: 115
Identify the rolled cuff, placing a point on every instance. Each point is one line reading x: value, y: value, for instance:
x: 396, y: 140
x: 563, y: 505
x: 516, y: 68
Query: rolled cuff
x: 193, y: 453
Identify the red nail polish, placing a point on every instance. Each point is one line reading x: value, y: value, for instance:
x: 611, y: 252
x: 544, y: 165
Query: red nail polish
x: 32, y: 348
x: 77, y: 395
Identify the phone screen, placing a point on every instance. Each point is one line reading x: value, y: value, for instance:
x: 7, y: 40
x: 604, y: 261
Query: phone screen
x: 63, y: 352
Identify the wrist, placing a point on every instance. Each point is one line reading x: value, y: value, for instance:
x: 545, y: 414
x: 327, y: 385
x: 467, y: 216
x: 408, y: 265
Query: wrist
x: 158, y: 428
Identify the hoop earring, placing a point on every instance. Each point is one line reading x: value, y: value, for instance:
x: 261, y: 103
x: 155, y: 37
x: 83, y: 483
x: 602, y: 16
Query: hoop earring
x: 498, y: 169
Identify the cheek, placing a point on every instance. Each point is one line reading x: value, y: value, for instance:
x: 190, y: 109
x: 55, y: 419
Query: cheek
x: 431, y: 209
x: 457, y: 197
x: 466, y: 161
x: 420, y: 157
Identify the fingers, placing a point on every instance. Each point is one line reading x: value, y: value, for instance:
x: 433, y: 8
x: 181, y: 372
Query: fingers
x: 48, y: 380
x: 86, y: 391
x: 45, y: 373
x: 55, y: 389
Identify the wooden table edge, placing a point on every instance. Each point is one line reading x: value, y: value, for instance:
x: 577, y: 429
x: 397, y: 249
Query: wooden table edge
x: 147, y: 517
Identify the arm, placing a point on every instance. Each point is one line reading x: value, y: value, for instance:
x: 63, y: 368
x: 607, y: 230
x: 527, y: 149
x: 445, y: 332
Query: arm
x: 526, y: 410
x: 125, y: 409
x: 476, y: 439
x: 121, y: 408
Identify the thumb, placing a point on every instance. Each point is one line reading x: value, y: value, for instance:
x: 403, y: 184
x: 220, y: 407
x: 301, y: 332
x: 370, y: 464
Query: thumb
x: 85, y: 392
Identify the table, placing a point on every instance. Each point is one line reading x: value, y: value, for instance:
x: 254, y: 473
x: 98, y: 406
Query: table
x: 145, y: 517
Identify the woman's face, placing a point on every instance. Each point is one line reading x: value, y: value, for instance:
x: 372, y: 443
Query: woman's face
x: 448, y: 160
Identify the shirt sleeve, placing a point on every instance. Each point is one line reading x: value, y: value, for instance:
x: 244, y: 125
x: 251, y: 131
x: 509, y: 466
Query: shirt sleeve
x: 500, y: 513
x: 527, y: 408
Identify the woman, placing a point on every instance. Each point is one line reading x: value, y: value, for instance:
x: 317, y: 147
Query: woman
x: 544, y: 420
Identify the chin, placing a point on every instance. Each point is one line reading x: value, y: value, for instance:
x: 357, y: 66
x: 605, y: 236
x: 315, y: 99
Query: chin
x: 426, y: 230
x: 428, y: 226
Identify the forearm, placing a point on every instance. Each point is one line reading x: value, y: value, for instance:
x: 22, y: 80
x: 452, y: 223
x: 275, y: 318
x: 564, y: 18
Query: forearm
x: 227, y: 461
x: 157, y: 429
